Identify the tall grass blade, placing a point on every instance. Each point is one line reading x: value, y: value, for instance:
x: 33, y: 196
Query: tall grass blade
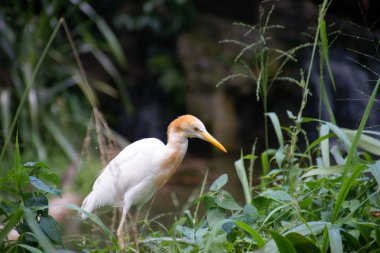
x: 5, y: 108
x: 240, y: 170
x: 366, y: 142
x: 325, y: 147
x: 13, y: 220
x: 324, y: 171
x: 340, y: 134
x: 335, y: 239
x: 325, y: 49
x: 359, y: 131
x: 104, y: 29
x: 325, y: 240
x: 61, y: 139
x: 94, y: 218
x: 30, y: 248
x: 85, y: 86
x: 346, y: 186
x: 27, y: 88
x: 317, y: 142
x: 322, y: 13
x: 255, y: 235
x: 200, y: 195
x: 277, y: 127
x: 42, y: 239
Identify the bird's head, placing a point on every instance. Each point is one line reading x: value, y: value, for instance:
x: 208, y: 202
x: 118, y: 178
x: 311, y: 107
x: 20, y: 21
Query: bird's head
x: 191, y: 127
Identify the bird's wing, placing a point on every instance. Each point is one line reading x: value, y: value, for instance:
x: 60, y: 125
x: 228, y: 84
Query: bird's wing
x: 138, y: 161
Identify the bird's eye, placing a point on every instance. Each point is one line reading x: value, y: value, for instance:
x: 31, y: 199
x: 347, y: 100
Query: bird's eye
x: 196, y: 129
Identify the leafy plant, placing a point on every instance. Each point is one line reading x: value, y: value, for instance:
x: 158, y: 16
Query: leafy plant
x: 24, y: 207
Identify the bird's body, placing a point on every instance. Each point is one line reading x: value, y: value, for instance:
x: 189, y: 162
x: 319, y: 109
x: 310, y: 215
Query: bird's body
x: 135, y: 174
x: 140, y: 169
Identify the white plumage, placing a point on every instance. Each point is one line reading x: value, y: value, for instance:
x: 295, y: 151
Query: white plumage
x: 132, y: 170
x: 135, y: 174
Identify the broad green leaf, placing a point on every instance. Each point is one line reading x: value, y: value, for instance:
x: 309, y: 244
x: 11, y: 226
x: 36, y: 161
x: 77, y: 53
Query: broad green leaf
x: 255, y: 235
x: 280, y: 157
x: 351, y: 240
x: 228, y: 226
x: 335, y: 238
x: 7, y: 207
x: 365, y: 229
x: 209, y: 201
x: 50, y: 177
x: 283, y: 244
x: 36, y: 165
x: 187, y: 232
x: 313, y: 227
x: 214, y: 216
x: 302, y: 243
x: 199, y: 234
x: 212, y: 238
x: 226, y: 201
x: 277, y: 195
x: 43, y: 241
x: 219, y: 183
x: 377, y: 236
x: 36, y: 202
x: 250, y: 214
x: 51, y: 228
x: 43, y: 187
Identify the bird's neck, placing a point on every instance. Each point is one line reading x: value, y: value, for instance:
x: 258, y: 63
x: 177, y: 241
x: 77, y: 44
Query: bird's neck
x: 175, y: 151
x: 177, y: 143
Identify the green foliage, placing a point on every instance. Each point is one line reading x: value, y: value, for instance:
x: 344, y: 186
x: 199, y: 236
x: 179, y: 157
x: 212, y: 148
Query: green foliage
x: 324, y: 198
x: 38, y: 41
x: 24, y: 207
x: 162, y: 18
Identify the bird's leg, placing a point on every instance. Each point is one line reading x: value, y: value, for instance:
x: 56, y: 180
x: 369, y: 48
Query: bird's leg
x: 134, y: 231
x: 115, y: 213
x: 120, y: 230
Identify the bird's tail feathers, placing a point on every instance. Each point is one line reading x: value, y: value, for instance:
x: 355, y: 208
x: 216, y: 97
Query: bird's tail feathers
x: 88, y: 205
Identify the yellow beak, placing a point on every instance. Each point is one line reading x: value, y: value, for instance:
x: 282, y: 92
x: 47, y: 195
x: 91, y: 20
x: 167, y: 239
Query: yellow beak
x: 207, y: 137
